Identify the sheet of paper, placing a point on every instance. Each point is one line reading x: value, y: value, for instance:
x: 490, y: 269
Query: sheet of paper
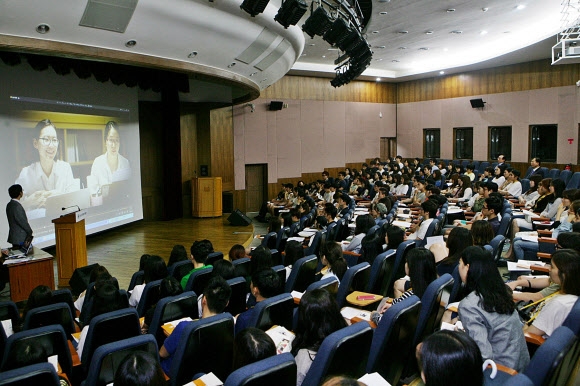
x: 402, y: 224
x: 374, y: 379
x: 299, y: 239
x: 174, y: 323
x: 282, y: 338
x: 434, y: 240
x: 53, y: 360
x: 296, y: 294
x: 350, y: 312
x: 306, y: 233
x: 7, y: 326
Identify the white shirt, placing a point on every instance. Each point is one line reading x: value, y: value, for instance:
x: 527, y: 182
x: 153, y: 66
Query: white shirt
x: 136, y: 295
x: 61, y: 180
x: 422, y: 231
x: 554, y: 313
x: 514, y: 188
x: 104, y: 174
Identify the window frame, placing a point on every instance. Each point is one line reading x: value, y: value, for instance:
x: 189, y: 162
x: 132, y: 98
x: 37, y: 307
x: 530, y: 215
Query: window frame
x: 437, y: 143
x: 463, y: 131
x: 507, y: 151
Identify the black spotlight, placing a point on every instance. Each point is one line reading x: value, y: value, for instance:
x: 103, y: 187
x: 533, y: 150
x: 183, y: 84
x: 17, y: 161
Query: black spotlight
x: 318, y: 23
x: 350, y: 41
x: 291, y: 12
x: 337, y: 32
x: 254, y: 7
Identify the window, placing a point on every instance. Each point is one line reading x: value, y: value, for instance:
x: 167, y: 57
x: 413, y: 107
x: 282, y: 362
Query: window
x: 543, y: 142
x: 463, y: 145
x: 431, y: 143
x: 500, y: 142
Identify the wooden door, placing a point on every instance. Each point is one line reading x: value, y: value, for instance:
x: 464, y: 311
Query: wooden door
x: 255, y: 186
x: 388, y: 147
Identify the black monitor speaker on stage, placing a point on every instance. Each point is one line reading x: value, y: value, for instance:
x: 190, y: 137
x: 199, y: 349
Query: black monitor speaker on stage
x: 276, y: 105
x: 238, y: 218
x: 477, y: 103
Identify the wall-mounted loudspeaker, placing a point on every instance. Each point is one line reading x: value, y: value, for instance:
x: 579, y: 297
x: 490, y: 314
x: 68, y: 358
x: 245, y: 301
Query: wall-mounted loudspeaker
x: 276, y: 105
x: 477, y: 103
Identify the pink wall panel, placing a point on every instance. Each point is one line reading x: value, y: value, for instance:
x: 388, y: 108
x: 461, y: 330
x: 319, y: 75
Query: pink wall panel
x: 288, y: 141
x: 332, y: 153
x: 271, y: 146
x: 311, y: 135
x: 567, y: 127
x: 388, y: 123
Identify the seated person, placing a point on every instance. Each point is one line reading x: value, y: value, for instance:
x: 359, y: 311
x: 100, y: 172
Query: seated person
x: 264, y: 284
x: 40, y: 296
x: 139, y: 368
x: 427, y: 212
x: 363, y: 224
x: 216, y: 297
x: 570, y: 240
x: 238, y: 251
x: 103, y: 279
x: 332, y: 260
x: 450, y: 358
x: 293, y: 252
x: 252, y: 345
x: 343, y: 201
x: 169, y: 287
x: 155, y: 269
x: 178, y: 253
x: 95, y: 273
x: 198, y: 254
x: 565, y: 271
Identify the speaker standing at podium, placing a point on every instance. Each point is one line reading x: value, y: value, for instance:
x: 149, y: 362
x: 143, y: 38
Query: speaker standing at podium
x: 17, y: 220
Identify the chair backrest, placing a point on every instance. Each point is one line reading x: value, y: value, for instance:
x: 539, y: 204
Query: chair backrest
x: 398, y: 270
x: 173, y: 308
x: 431, y: 309
x: 431, y: 231
x: 52, y: 338
x: 525, y: 184
x: 313, y: 248
x: 242, y: 266
x: 107, y: 328
x: 277, y: 259
x: 276, y: 310
x: 277, y: 370
x: 351, y: 258
x: 373, y: 230
x: 281, y: 271
x: 58, y: 313
x: 302, y: 274
x: 456, y: 294
x: 504, y: 225
x: 519, y: 379
x: 343, y: 352
x: 332, y: 231
x: 329, y: 283
x: 572, y: 321
x: 108, y: 357
x: 198, y: 280
x: 213, y: 257
x: 574, y: 181
x: 355, y: 279
x: 565, y: 176
x: 64, y: 295
x: 206, y: 346
x: 180, y: 269
x: 137, y: 279
x: 38, y: 374
x: 553, y: 174
x: 379, y: 270
x: 9, y: 311
x: 549, y: 355
x: 237, y: 303
x: 392, y: 344
x: 497, y: 244
x: 149, y: 297
x: 282, y: 238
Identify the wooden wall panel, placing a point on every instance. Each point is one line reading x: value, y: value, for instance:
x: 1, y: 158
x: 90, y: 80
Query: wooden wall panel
x: 309, y: 88
x: 240, y: 200
x: 189, y: 163
x: 204, y: 142
x: 150, y: 137
x: 517, y: 77
x: 222, y: 146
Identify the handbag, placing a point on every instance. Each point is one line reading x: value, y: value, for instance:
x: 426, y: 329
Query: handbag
x: 528, y: 310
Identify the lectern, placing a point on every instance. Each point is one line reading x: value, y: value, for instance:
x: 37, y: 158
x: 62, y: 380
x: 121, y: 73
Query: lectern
x: 71, y: 245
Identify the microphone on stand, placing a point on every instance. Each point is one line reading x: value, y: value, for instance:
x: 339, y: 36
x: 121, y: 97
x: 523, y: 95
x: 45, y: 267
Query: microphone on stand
x: 72, y: 206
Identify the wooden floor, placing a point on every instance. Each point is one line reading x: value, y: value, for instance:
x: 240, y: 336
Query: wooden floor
x: 120, y: 249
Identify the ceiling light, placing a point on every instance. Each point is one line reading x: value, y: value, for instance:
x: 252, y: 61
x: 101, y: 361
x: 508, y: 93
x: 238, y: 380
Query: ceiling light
x: 394, y: 61
x: 254, y: 7
x: 403, y: 32
x: 446, y: 49
x: 378, y: 79
x: 428, y: 32
x: 131, y: 43
x: 291, y: 12
x: 520, y: 7
x: 192, y: 54
x: 375, y: 32
x: 451, y: 10
x: 383, y: 13
x: 231, y: 64
x: 318, y: 23
x: 312, y: 44
x: 403, y: 48
x: 457, y: 32
x: 441, y: 72
x: 253, y: 73
x: 380, y: 47
x: 337, y: 31
x: 324, y: 56
x: 424, y: 49
x: 42, y: 28
x: 485, y: 9
x: 378, y: 60
x: 483, y: 32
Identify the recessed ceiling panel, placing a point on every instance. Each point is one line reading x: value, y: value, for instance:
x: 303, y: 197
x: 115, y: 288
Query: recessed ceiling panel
x: 273, y: 56
x: 110, y: 15
x: 258, y: 47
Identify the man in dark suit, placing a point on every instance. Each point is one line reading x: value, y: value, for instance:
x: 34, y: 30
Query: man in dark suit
x: 17, y: 220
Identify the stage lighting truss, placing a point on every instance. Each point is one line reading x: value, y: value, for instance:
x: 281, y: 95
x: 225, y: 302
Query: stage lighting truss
x: 318, y: 23
x: 291, y: 12
x: 254, y: 7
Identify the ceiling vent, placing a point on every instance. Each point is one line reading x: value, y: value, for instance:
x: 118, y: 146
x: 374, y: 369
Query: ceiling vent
x: 110, y: 15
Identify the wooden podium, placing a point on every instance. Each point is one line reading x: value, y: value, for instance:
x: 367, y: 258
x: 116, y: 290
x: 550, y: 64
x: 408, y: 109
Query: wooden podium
x: 71, y: 246
x: 206, y: 196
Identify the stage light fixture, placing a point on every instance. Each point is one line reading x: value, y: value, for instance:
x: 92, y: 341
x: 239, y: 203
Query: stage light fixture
x: 350, y: 41
x: 291, y: 12
x: 254, y: 7
x: 337, y: 32
x: 318, y: 23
